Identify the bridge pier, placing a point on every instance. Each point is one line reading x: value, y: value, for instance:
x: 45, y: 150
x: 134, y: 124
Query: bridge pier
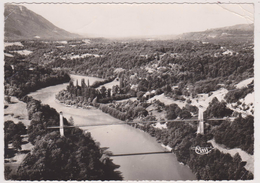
x: 200, y: 129
x: 61, y: 125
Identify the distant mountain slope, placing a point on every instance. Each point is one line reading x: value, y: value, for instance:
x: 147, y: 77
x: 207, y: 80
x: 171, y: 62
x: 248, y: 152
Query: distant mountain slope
x: 22, y: 23
x: 241, y: 32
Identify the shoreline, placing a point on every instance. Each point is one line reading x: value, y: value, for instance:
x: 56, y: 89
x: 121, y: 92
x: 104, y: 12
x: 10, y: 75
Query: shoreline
x: 73, y: 106
x: 92, y: 107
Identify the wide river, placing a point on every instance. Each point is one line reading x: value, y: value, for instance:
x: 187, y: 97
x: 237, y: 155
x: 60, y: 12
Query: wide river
x: 121, y: 139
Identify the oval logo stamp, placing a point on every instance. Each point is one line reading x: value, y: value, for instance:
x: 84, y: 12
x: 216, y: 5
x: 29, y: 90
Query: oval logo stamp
x: 202, y: 150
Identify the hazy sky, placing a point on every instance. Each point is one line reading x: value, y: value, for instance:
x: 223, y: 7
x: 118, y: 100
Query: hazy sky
x: 120, y: 20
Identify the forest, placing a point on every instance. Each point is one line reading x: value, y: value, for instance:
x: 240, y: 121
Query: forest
x: 73, y: 157
x: 179, y: 70
x: 148, y: 64
x: 12, y: 135
x: 181, y: 136
x: 20, y: 80
x: 213, y: 166
x: 83, y: 95
x: 170, y: 63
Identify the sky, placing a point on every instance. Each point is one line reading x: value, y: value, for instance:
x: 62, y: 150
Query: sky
x: 139, y: 20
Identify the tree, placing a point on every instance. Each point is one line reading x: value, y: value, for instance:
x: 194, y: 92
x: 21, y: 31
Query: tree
x: 140, y: 111
x: 167, y: 89
x: 12, y: 134
x: 8, y: 99
x: 217, y: 109
x: 103, y: 91
x: 143, y: 85
x: 115, y: 90
x: 71, y: 120
x: 185, y: 114
x: 121, y: 83
x: 21, y: 129
x: 17, y: 142
x: 9, y: 132
x: 74, y: 157
x: 139, y: 94
x: 83, y: 84
x: 172, y: 111
x: 7, y: 172
x: 109, y: 92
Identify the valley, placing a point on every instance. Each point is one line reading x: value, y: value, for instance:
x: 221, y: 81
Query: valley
x: 160, y: 90
x: 93, y: 108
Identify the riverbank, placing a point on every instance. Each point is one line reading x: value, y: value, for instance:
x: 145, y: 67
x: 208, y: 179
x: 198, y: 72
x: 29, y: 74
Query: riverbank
x: 166, y: 147
x: 74, y: 106
x: 181, y: 138
x: 249, y: 159
x: 121, y: 139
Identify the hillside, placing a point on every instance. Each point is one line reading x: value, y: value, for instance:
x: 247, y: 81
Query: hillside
x: 180, y: 75
x: 241, y: 32
x: 23, y: 24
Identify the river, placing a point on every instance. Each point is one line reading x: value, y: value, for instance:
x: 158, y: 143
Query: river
x: 121, y: 139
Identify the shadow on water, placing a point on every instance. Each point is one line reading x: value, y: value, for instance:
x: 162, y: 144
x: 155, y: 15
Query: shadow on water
x: 112, y: 173
x: 144, y: 153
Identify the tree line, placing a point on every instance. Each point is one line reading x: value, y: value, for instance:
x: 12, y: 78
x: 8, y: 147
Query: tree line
x: 21, y: 80
x: 73, y: 157
x: 182, y: 138
x: 83, y: 95
x: 12, y: 135
x: 196, y: 64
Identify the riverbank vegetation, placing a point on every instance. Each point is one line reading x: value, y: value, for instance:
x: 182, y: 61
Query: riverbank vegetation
x: 185, y: 72
x: 21, y: 80
x: 236, y: 94
x: 84, y: 94
x: 12, y: 135
x: 76, y: 156
x: 237, y: 134
x: 182, y: 138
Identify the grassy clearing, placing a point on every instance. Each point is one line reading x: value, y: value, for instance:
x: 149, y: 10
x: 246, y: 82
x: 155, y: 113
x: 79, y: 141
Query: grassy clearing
x: 16, y: 111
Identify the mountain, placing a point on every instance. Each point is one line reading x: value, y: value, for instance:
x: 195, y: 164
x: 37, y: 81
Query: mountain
x: 241, y: 32
x: 22, y: 24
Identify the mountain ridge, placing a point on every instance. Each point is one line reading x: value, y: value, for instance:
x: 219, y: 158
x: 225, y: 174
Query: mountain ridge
x: 23, y: 24
x: 240, y: 32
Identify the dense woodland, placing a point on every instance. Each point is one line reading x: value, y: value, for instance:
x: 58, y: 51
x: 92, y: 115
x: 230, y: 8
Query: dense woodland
x: 177, y: 69
x: 213, y: 166
x: 187, y: 63
x: 84, y: 94
x: 234, y: 95
x: 181, y: 137
x: 73, y: 157
x: 21, y: 80
x: 148, y: 64
x: 12, y: 135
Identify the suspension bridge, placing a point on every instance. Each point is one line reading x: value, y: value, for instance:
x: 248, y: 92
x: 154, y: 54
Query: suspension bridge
x: 199, y: 120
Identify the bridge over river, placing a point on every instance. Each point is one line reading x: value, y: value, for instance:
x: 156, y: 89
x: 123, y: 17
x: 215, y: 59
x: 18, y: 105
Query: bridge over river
x: 121, y: 140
